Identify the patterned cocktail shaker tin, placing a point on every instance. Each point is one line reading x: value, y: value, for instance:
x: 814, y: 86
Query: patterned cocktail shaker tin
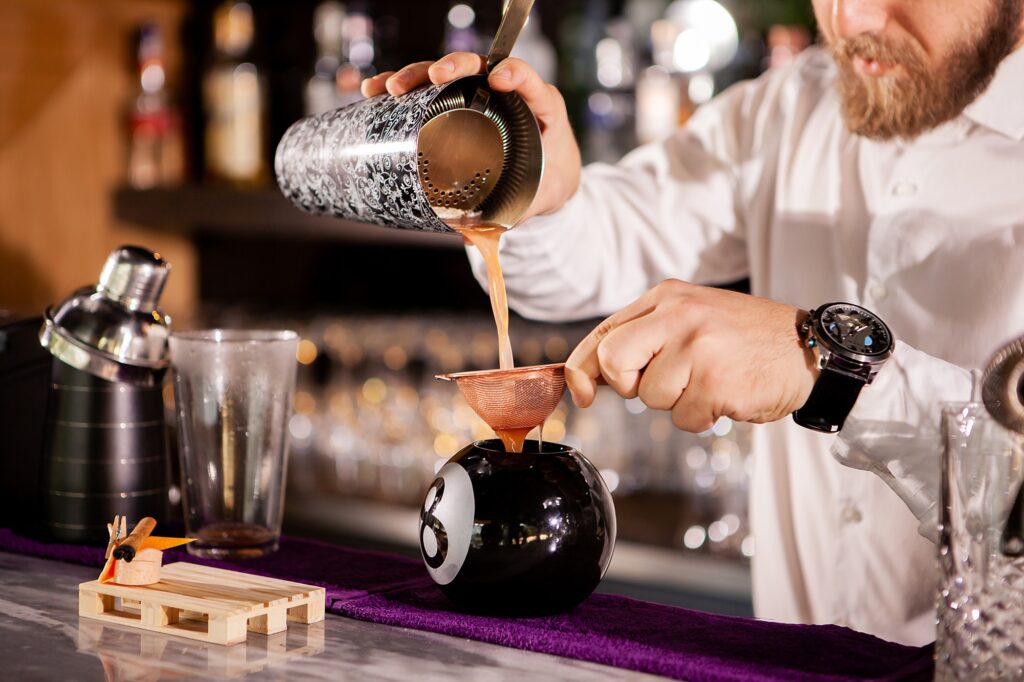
x: 360, y: 162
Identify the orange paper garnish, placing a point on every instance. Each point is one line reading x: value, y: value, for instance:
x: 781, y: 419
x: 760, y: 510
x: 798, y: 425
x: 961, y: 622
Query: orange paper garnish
x: 107, y: 574
x: 157, y: 542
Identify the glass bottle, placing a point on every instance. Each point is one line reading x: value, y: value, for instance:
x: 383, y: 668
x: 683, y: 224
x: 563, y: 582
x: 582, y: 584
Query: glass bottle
x: 322, y: 91
x: 610, y: 106
x: 234, y: 95
x: 359, y: 54
x: 460, y: 33
x: 535, y: 49
x: 155, y: 155
x: 345, y: 56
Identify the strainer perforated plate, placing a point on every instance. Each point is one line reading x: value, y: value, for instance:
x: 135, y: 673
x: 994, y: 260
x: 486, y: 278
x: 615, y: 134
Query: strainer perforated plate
x: 461, y: 151
x: 518, y: 398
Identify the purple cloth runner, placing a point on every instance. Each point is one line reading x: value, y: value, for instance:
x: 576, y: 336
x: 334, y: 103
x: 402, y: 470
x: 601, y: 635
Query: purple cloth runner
x: 617, y: 631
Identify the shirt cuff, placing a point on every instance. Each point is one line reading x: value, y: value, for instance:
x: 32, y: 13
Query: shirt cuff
x: 894, y: 429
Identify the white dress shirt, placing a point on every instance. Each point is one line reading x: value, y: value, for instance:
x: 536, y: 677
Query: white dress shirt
x: 765, y: 181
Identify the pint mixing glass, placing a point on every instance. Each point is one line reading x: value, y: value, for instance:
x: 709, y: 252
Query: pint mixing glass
x: 233, y: 395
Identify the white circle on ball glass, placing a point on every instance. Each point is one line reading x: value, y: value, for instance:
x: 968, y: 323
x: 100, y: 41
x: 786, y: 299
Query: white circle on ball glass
x: 455, y: 511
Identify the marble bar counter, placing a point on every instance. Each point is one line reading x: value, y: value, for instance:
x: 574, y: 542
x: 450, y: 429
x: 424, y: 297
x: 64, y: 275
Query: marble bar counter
x: 42, y: 637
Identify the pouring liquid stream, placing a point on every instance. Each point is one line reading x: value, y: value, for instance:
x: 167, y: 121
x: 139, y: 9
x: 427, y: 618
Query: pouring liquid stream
x: 486, y: 239
x: 513, y: 439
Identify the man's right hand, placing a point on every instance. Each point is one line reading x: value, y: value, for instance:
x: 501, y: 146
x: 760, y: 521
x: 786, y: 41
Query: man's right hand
x: 561, y: 154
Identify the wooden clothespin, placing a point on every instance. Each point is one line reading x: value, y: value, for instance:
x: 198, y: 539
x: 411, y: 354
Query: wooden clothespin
x: 114, y: 531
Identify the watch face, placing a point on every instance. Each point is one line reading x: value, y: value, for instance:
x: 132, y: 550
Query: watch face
x: 855, y: 329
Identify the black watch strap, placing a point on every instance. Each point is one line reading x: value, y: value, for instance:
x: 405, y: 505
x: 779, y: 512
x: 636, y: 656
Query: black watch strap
x: 831, y: 401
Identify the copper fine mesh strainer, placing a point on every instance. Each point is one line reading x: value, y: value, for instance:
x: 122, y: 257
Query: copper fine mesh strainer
x: 507, y: 399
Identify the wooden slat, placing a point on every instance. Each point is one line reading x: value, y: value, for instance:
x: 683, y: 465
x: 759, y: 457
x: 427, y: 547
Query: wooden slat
x: 224, y: 594
x: 185, y: 569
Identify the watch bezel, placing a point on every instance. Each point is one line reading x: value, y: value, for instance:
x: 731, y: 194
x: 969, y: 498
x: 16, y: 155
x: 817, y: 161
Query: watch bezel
x: 828, y: 343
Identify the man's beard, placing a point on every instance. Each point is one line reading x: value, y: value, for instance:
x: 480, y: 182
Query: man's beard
x: 918, y: 98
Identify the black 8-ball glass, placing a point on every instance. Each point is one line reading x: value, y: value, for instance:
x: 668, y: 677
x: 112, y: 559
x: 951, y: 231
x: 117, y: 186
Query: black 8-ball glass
x: 528, y: 533
x: 855, y: 329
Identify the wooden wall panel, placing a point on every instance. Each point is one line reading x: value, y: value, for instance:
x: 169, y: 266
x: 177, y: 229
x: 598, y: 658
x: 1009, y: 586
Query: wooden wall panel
x: 66, y: 78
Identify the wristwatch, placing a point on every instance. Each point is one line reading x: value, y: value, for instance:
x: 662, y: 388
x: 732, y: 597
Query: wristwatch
x: 852, y: 344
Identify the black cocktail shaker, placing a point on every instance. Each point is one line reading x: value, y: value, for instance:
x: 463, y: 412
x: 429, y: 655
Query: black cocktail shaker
x: 105, y: 446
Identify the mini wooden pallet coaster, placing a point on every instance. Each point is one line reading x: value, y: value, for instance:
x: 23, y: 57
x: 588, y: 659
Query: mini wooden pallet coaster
x: 209, y: 604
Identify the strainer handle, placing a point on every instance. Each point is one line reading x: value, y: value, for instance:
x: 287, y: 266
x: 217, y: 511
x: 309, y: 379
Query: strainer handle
x: 512, y: 22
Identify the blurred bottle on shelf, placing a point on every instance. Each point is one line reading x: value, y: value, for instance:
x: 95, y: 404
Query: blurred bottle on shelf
x: 610, y: 106
x: 460, y: 32
x: 359, y: 56
x: 155, y: 144
x: 535, y: 49
x: 659, y: 105
x: 345, y: 53
x: 234, y: 98
x: 322, y: 91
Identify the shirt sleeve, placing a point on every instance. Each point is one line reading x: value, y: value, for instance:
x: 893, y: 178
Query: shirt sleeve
x: 673, y: 209
x: 894, y: 429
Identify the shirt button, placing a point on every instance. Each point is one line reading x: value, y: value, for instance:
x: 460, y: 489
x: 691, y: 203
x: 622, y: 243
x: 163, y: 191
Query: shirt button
x: 904, y: 189
x: 877, y: 291
x: 851, y: 514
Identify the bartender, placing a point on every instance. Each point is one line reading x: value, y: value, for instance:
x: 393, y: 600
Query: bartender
x: 882, y: 172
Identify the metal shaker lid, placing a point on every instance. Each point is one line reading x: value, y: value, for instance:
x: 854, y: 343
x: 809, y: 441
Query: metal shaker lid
x: 115, y: 330
x: 134, y: 277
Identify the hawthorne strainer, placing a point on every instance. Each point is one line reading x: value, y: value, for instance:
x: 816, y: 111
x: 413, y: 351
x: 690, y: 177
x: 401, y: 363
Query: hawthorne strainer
x: 464, y: 142
x: 461, y: 156
x: 507, y: 399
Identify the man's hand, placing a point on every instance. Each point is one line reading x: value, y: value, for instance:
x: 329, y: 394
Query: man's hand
x: 700, y: 352
x: 561, y: 154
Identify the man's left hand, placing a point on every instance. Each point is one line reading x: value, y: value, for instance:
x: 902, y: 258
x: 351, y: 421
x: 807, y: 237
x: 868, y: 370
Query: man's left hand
x: 702, y: 353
